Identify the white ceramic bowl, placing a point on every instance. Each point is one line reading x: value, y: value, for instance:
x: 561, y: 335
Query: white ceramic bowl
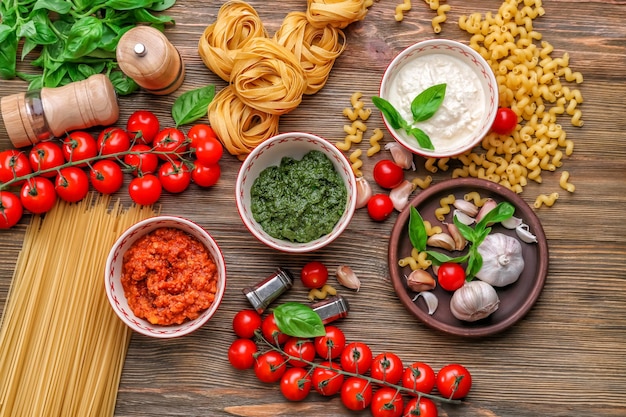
x: 270, y: 152
x: 482, y: 102
x: 115, y: 292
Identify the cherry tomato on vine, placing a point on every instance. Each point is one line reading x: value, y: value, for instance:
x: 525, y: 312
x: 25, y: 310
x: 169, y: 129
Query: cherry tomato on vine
x: 143, y: 126
x: 172, y: 141
x: 113, y: 140
x: 13, y: 164
x: 270, y: 366
x: 356, y: 358
x: 380, y: 207
x: 208, y: 150
x: 454, y: 381
x: 174, y: 176
x: 205, y: 175
x: 271, y: 332
x: 419, y: 377
x: 71, y: 184
x: 246, y: 322
x: 422, y: 407
x: 505, y: 121
x: 37, y: 195
x: 145, y: 190
x: 200, y: 131
x: 299, y: 348
x: 45, y: 156
x: 78, y: 146
x: 356, y: 393
x: 241, y: 353
x: 387, y: 366
x: 142, y: 161
x: 106, y: 176
x: 387, y: 402
x: 327, y: 381
x: 451, y: 276
x: 388, y: 174
x: 332, y: 344
x: 295, y: 384
x: 11, y: 209
x: 314, y: 274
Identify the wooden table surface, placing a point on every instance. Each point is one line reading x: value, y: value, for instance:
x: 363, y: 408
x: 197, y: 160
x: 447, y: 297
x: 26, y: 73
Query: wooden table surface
x: 566, y: 357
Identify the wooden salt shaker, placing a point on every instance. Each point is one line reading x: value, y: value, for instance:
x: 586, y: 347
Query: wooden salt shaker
x: 146, y: 55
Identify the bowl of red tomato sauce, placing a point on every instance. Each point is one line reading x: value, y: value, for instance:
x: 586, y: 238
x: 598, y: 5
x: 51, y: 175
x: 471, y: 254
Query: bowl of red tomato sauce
x: 165, y: 277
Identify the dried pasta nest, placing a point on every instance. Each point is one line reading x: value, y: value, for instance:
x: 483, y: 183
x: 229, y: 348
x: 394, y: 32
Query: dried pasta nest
x: 337, y: 13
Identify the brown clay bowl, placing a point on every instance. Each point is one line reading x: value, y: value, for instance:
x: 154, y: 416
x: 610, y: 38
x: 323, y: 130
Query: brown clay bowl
x: 515, y: 299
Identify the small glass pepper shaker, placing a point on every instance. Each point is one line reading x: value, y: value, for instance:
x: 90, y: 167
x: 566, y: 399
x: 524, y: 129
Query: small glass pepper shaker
x: 265, y: 292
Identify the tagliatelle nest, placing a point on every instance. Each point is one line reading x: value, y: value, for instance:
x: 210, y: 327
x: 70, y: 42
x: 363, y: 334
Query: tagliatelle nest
x: 337, y: 13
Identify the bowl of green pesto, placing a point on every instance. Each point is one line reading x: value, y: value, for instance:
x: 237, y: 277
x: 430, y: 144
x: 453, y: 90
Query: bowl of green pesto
x: 296, y: 192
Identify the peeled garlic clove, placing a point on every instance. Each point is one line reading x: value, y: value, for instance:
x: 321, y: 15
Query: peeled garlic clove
x: 441, y: 240
x: 475, y: 300
x: 463, y: 218
x: 420, y: 280
x: 512, y: 222
x: 489, y: 205
x: 401, y: 156
x: 432, y: 302
x: 466, y: 207
x: 400, y: 195
x: 363, y: 192
x: 347, y: 278
x: 523, y: 232
x: 459, y: 240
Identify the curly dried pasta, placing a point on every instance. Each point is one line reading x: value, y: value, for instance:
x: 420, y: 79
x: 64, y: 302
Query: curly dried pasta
x: 475, y: 197
x: 546, y: 199
x: 432, y: 230
x: 440, y: 18
x: 417, y: 260
x: 401, y: 8
x: 564, y: 182
x: 321, y: 293
x: 358, y: 110
x: 374, y: 141
x: 423, y: 183
x: 356, y: 162
x: 444, y: 207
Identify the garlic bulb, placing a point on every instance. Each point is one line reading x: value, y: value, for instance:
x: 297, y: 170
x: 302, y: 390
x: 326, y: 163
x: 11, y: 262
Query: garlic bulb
x: 503, y: 261
x: 475, y: 300
x: 401, y: 156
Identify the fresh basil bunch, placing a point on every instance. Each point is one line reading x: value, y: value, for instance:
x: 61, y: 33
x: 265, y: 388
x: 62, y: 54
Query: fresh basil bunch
x: 73, y: 39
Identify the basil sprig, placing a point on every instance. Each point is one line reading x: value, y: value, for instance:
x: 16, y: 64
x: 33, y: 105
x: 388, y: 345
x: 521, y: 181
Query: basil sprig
x: 298, y: 320
x: 423, y: 107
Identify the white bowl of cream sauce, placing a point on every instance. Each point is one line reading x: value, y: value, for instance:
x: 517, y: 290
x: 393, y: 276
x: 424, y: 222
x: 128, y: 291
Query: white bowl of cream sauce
x: 470, y: 103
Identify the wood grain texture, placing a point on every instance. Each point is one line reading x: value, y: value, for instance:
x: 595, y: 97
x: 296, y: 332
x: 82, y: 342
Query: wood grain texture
x: 566, y: 357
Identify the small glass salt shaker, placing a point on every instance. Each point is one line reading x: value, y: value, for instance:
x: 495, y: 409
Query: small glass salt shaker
x: 265, y: 292
x: 332, y: 308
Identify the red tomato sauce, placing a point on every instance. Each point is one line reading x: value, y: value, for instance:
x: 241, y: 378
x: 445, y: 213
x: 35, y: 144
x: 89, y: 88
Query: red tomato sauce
x: 168, y: 277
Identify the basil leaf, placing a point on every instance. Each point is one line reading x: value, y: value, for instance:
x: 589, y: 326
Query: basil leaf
x: 8, y: 58
x: 5, y: 31
x: 474, y: 264
x: 83, y: 37
x: 123, y: 85
x: 144, y: 16
x: 298, y: 320
x: 192, y: 105
x: 438, y: 258
x: 128, y: 4
x: 499, y: 213
x: 417, y: 230
x: 467, y: 232
x: 391, y: 114
x: 422, y: 138
x: 159, y: 6
x: 58, y: 6
x: 424, y: 106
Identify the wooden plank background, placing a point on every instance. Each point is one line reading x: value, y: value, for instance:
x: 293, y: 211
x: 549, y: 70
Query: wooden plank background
x: 566, y: 357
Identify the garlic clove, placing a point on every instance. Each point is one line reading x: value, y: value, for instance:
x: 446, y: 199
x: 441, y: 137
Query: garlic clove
x: 475, y: 300
x: 489, y: 205
x: 523, y: 232
x: 347, y: 278
x: 463, y: 217
x: 459, y: 240
x: 419, y: 280
x: 363, y: 192
x: 400, y: 195
x: 512, y: 222
x: 466, y: 207
x: 441, y: 240
x: 432, y: 302
x: 401, y: 156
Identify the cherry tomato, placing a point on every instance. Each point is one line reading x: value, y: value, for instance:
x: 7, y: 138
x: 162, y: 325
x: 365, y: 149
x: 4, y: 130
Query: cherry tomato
x: 46, y: 156
x: 356, y: 393
x: 11, y: 209
x: 208, y: 150
x: 174, y: 176
x: 387, y: 366
x: 388, y: 174
x: 387, y: 402
x: 270, y: 366
x: 143, y: 126
x: 113, y: 140
x: 327, y: 381
x: 142, y: 161
x: 419, y: 377
x: 295, y: 384
x: 205, y: 175
x: 241, y: 353
x: 38, y: 195
x: 145, y: 190
x: 106, y: 176
x: 78, y: 146
x: 13, y: 164
x: 356, y: 358
x: 271, y: 332
x: 172, y: 141
x: 246, y: 322
x: 299, y: 348
x: 200, y: 131
x: 331, y: 345
x: 454, y: 381
x: 71, y: 184
x: 314, y: 274
x: 422, y: 407
x: 379, y: 207
x: 505, y: 121
x: 451, y: 276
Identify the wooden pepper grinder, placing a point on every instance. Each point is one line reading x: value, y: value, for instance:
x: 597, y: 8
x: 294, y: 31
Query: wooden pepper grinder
x: 146, y: 55
x: 51, y: 112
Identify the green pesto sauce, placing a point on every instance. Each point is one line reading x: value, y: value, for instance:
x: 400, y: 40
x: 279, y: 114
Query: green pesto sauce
x: 299, y: 201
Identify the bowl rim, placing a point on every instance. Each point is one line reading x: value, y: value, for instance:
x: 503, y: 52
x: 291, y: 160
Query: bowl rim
x: 317, y: 243
x: 142, y: 326
x: 385, y: 79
